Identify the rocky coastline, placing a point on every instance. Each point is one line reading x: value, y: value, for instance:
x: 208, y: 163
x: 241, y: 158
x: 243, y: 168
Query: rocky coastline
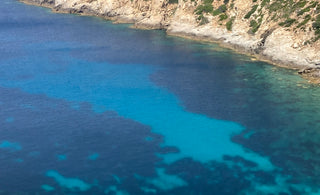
x: 276, y: 45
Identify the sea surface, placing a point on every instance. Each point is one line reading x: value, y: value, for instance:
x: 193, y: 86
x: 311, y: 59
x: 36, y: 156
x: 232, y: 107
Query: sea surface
x: 90, y: 107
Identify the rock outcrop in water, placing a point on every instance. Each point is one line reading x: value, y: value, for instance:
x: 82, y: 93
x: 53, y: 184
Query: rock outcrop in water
x: 286, y: 33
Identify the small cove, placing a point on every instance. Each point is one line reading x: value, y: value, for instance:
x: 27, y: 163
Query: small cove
x: 160, y: 114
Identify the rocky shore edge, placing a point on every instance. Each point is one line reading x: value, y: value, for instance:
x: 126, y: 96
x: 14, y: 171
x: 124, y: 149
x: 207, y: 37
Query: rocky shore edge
x: 309, y: 71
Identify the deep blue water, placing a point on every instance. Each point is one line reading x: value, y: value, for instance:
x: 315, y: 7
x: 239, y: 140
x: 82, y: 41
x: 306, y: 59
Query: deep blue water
x: 89, y: 107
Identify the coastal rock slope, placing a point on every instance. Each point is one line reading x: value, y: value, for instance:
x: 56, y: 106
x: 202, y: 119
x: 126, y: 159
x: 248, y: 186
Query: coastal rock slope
x: 284, y: 32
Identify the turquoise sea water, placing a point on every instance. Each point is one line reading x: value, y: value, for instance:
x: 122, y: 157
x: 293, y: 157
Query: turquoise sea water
x: 88, y: 107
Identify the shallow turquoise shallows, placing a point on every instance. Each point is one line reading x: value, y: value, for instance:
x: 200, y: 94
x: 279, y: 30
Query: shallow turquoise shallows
x: 89, y: 107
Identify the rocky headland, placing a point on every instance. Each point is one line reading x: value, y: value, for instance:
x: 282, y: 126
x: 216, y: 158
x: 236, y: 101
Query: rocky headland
x: 285, y: 33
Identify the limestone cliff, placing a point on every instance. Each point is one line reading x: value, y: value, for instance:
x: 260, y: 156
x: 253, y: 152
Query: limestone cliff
x: 285, y: 32
x: 150, y: 14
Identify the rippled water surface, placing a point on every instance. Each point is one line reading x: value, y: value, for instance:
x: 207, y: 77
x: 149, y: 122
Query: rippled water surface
x: 88, y: 107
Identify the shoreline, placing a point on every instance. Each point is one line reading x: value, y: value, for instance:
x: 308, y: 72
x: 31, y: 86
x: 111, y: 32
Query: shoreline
x: 311, y: 79
x: 235, y: 48
x: 311, y: 74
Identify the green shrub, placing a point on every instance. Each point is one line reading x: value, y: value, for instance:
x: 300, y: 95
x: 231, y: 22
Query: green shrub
x: 301, y: 4
x: 288, y: 22
x: 307, y: 9
x: 301, y: 12
x: 229, y: 24
x: 253, y: 23
x: 173, y: 1
x: 206, y: 7
x: 222, y: 17
x: 260, y: 19
x: 253, y: 9
x: 316, y: 25
x: 216, y: 12
x: 254, y: 26
x: 203, y: 9
x: 264, y: 2
x: 305, y: 21
x: 223, y: 8
x: 276, y: 6
x: 317, y: 9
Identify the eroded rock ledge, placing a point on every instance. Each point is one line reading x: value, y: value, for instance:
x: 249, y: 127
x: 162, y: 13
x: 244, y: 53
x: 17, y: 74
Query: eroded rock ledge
x: 258, y: 34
